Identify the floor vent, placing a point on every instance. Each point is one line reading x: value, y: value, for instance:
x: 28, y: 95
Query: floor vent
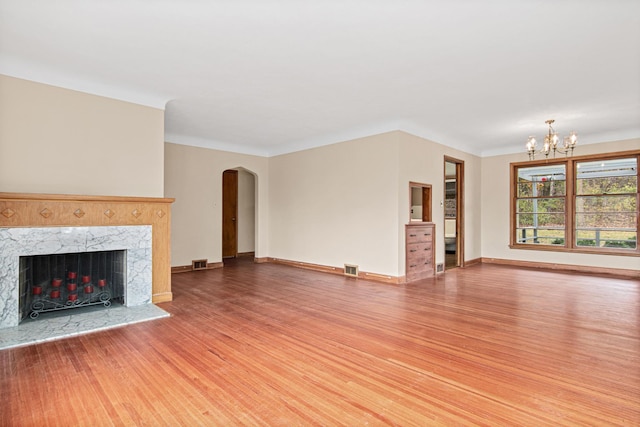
x: 439, y: 268
x: 351, y: 270
x: 199, y: 264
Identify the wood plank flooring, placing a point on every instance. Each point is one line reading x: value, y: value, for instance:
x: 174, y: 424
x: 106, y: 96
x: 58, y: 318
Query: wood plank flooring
x: 265, y: 344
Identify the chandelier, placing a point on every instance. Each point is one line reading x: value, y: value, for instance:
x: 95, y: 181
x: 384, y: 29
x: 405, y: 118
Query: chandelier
x: 551, y: 143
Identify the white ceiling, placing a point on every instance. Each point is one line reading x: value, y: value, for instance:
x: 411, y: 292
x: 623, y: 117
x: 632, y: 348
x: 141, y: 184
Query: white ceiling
x: 272, y: 76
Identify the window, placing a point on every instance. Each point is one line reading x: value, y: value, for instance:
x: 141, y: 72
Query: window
x: 540, y: 208
x: 606, y: 203
x: 581, y: 204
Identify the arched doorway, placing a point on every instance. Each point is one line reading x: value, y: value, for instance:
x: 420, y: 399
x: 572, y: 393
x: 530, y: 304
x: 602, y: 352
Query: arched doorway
x: 238, y: 213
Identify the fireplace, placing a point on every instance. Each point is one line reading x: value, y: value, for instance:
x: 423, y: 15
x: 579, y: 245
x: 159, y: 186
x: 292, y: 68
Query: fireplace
x: 56, y: 282
x: 70, y: 259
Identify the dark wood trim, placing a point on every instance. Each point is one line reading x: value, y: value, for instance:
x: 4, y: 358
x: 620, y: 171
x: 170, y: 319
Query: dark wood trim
x: 588, y: 157
x: 570, y: 207
x: 335, y: 270
x: 585, y: 250
x: 470, y: 262
x: 230, y: 213
x: 460, y: 211
x: 245, y: 254
x: 607, y: 271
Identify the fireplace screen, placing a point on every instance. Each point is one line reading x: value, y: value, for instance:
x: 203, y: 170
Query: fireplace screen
x: 64, y: 281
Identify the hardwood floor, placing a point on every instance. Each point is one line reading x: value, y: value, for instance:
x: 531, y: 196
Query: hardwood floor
x: 265, y: 344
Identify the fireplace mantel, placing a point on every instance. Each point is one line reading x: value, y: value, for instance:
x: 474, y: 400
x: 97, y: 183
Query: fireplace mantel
x: 65, y: 210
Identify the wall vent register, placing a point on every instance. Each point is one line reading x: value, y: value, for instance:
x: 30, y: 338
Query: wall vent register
x: 199, y: 264
x: 351, y: 270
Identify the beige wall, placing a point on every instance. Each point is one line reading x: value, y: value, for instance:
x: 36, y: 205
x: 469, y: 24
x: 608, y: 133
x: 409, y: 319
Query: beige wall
x: 422, y: 161
x: 342, y: 203
x: 54, y: 140
x: 337, y: 204
x: 495, y: 213
x: 193, y: 176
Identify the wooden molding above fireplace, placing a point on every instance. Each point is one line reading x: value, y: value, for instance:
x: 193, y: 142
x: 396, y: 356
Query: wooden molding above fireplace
x: 65, y: 210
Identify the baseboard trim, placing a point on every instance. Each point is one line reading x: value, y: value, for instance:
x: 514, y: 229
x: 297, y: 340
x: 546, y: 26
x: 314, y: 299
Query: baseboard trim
x: 188, y: 268
x: 333, y: 270
x: 181, y: 269
x: 383, y: 278
x: 162, y: 297
x: 634, y: 274
x: 470, y: 262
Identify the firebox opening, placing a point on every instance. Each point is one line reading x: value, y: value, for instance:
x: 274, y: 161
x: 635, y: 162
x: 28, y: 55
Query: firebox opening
x: 51, y: 283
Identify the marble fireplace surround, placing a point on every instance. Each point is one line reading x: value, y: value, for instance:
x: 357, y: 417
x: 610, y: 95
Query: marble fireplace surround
x: 17, y: 242
x: 86, y: 223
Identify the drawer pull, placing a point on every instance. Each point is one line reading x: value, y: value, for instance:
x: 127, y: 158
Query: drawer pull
x: 412, y: 235
x: 413, y: 265
x: 412, y: 250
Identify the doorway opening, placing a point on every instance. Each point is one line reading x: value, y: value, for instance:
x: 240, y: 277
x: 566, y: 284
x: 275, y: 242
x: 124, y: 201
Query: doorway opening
x: 238, y: 213
x: 453, y: 212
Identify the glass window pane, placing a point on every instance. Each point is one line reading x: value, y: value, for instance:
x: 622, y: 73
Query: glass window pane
x: 555, y: 205
x: 607, y: 239
x: 541, y: 181
x: 606, y: 221
x: 617, y: 176
x: 550, y: 220
x: 524, y: 220
x: 606, y: 204
x: 540, y: 236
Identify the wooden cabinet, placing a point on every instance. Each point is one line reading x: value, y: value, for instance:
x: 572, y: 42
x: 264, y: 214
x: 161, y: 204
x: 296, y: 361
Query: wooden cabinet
x: 420, y: 261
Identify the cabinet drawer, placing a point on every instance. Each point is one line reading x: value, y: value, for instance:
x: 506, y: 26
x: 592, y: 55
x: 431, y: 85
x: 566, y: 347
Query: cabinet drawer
x: 419, y: 270
x: 419, y: 234
x: 422, y: 263
x: 419, y: 249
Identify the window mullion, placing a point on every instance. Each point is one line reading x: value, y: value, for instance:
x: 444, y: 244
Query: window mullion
x: 570, y: 217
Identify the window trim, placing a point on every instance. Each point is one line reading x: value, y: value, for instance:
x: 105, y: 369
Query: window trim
x: 570, y: 205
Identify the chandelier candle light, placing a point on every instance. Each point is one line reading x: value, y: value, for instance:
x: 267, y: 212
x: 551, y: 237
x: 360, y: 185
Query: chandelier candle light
x: 551, y: 143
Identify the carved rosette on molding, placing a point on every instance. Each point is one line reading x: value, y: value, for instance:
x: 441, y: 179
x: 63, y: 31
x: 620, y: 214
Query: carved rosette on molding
x: 136, y: 213
x: 8, y: 213
x: 109, y: 213
x: 46, y: 213
x: 160, y: 213
x: 79, y: 213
